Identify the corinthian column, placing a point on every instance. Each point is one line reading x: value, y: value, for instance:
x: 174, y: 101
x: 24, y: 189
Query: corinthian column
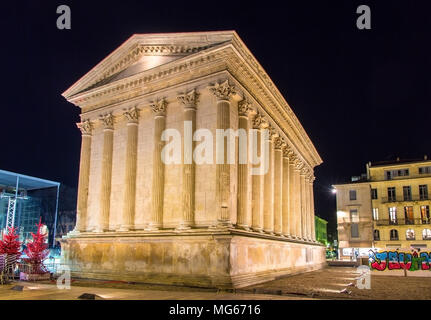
x: 313, y: 226
x: 297, y: 197
x: 308, y: 206
x: 286, y: 217
x: 84, y: 175
x: 156, y: 217
x: 268, y: 206
x: 128, y: 216
x: 105, y: 193
x: 259, y: 124
x: 292, y: 193
x: 223, y: 92
x: 189, y: 100
x: 278, y: 184
x: 244, y: 213
x: 304, y: 219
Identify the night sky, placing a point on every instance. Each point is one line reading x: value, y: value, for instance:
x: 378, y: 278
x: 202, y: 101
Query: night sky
x: 361, y: 95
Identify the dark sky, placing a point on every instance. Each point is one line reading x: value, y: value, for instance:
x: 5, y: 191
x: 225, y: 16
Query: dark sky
x: 361, y: 95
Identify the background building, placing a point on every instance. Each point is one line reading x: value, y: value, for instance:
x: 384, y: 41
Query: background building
x: 389, y: 207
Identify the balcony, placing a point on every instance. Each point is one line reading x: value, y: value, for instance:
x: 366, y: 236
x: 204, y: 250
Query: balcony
x: 401, y: 222
x: 405, y: 199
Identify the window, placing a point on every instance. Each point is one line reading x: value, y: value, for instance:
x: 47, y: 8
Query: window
x: 426, y: 234
x: 354, y: 216
x: 391, y: 194
x: 375, y: 214
x: 408, y: 215
x: 407, y: 193
x: 423, y: 192
x: 373, y: 194
x: 355, y: 230
x: 425, y: 214
x: 425, y: 170
x: 352, y: 194
x: 410, y: 234
x: 393, y: 215
x: 393, y: 234
x: 390, y: 174
x: 376, y: 235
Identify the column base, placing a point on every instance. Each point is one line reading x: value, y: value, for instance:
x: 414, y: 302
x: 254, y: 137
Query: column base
x: 270, y: 232
x: 125, y: 228
x: 183, y: 227
x: 152, y: 227
x: 260, y: 230
x: 223, y: 224
x: 243, y: 227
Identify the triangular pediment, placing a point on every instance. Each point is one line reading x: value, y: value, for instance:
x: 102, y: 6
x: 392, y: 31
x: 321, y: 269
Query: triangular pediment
x: 142, y: 52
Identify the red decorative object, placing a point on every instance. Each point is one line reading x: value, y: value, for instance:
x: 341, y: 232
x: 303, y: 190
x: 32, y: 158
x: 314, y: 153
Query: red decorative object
x: 37, y: 252
x: 10, y: 244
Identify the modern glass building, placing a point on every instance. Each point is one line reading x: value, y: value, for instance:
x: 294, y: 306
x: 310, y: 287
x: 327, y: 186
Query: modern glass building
x: 24, y: 200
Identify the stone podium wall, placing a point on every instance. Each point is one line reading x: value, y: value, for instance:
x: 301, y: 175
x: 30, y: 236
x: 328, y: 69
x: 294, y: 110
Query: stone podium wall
x: 221, y: 260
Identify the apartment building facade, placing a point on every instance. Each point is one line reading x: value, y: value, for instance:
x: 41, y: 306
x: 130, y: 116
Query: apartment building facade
x: 391, y: 208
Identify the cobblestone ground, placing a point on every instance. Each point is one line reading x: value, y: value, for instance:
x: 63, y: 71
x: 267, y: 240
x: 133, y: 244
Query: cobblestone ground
x: 328, y: 283
x: 340, y: 283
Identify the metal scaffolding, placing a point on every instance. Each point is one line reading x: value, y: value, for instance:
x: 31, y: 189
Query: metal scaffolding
x: 14, y: 188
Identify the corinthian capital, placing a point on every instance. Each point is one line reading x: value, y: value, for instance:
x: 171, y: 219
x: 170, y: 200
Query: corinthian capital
x: 107, y: 120
x: 159, y: 107
x: 278, y: 143
x: 132, y: 115
x: 86, y: 127
x: 259, y: 121
x: 297, y: 163
x: 223, y: 91
x: 273, y: 134
x: 244, y: 108
x: 189, y: 99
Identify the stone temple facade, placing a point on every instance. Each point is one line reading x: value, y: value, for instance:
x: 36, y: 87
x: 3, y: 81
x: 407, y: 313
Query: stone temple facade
x: 142, y: 218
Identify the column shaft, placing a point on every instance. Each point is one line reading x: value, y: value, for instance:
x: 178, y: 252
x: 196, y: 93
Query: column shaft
x: 84, y: 177
x: 223, y: 169
x: 105, y: 194
x: 298, y: 209
x: 278, y: 183
x: 286, y: 217
x: 268, y: 206
x: 313, y: 226
x: 292, y: 201
x: 257, y: 189
x: 303, y: 195
x: 130, y: 177
x: 244, y: 212
x: 156, y: 218
x: 188, y: 193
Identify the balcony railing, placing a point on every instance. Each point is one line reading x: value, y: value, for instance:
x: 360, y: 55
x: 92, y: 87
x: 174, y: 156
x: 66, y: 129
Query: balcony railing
x: 405, y: 199
x: 387, y: 222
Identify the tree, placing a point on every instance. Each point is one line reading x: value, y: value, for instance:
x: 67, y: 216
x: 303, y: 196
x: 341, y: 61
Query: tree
x: 36, y: 251
x: 10, y: 244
